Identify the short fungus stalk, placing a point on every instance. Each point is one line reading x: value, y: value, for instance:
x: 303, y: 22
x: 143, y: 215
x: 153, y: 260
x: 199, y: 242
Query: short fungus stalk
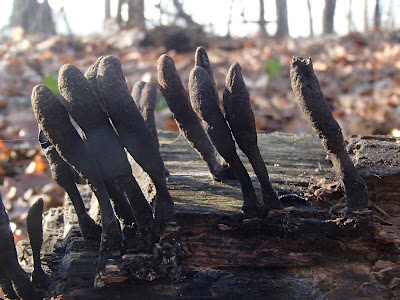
x: 6, y: 286
x: 10, y: 269
x: 63, y: 174
x: 35, y: 231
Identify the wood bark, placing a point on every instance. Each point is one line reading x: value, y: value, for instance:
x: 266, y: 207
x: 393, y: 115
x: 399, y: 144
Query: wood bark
x: 328, y: 17
x: 300, y: 252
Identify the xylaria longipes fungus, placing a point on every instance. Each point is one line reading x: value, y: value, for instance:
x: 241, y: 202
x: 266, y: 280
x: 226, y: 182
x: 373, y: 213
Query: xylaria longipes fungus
x: 55, y: 122
x: 136, y: 93
x: 186, y: 119
x: 134, y: 134
x: 204, y: 101
x: 308, y: 93
x: 91, y: 76
x: 80, y: 101
x: 40, y: 278
x: 201, y: 60
x: 12, y: 277
x: 63, y: 174
x: 241, y: 121
x: 122, y: 207
x: 147, y: 105
x: 6, y: 286
x: 145, y: 96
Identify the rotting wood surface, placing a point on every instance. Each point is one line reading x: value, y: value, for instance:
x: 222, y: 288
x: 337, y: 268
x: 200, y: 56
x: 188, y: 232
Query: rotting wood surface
x: 296, y: 253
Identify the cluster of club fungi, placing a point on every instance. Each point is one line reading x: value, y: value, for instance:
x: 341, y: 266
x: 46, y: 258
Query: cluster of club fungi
x: 113, y: 120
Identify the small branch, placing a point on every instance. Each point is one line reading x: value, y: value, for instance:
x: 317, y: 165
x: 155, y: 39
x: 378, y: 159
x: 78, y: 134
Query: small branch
x: 182, y: 14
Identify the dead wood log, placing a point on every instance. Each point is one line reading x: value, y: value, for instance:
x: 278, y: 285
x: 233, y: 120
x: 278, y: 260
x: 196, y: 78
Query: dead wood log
x: 299, y: 252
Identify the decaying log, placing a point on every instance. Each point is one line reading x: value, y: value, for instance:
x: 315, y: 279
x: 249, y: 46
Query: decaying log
x: 295, y: 243
x: 299, y: 252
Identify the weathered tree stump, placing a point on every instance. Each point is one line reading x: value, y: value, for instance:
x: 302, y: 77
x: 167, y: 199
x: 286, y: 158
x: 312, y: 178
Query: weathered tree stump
x: 300, y: 252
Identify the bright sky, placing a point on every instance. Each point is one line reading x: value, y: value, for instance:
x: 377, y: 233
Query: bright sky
x: 86, y: 16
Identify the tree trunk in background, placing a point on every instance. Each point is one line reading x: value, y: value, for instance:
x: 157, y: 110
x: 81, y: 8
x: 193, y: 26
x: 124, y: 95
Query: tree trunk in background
x: 282, y: 19
x: 119, y: 14
x: 329, y: 13
x: 136, y: 14
x: 377, y: 16
x: 23, y: 13
x: 159, y: 6
x: 33, y: 17
x: 365, y: 15
x: 228, y: 32
x: 310, y: 20
x: 43, y: 20
x: 18, y: 17
x: 391, y: 17
x: 107, y: 10
x: 350, y: 17
x: 261, y: 21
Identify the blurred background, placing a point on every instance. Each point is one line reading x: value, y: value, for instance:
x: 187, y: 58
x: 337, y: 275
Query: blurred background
x: 354, y: 44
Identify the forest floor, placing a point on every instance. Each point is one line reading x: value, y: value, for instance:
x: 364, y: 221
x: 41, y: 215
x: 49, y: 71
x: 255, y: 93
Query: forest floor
x: 359, y: 75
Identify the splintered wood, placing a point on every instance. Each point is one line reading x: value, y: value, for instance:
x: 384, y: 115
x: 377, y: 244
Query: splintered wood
x: 301, y: 251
